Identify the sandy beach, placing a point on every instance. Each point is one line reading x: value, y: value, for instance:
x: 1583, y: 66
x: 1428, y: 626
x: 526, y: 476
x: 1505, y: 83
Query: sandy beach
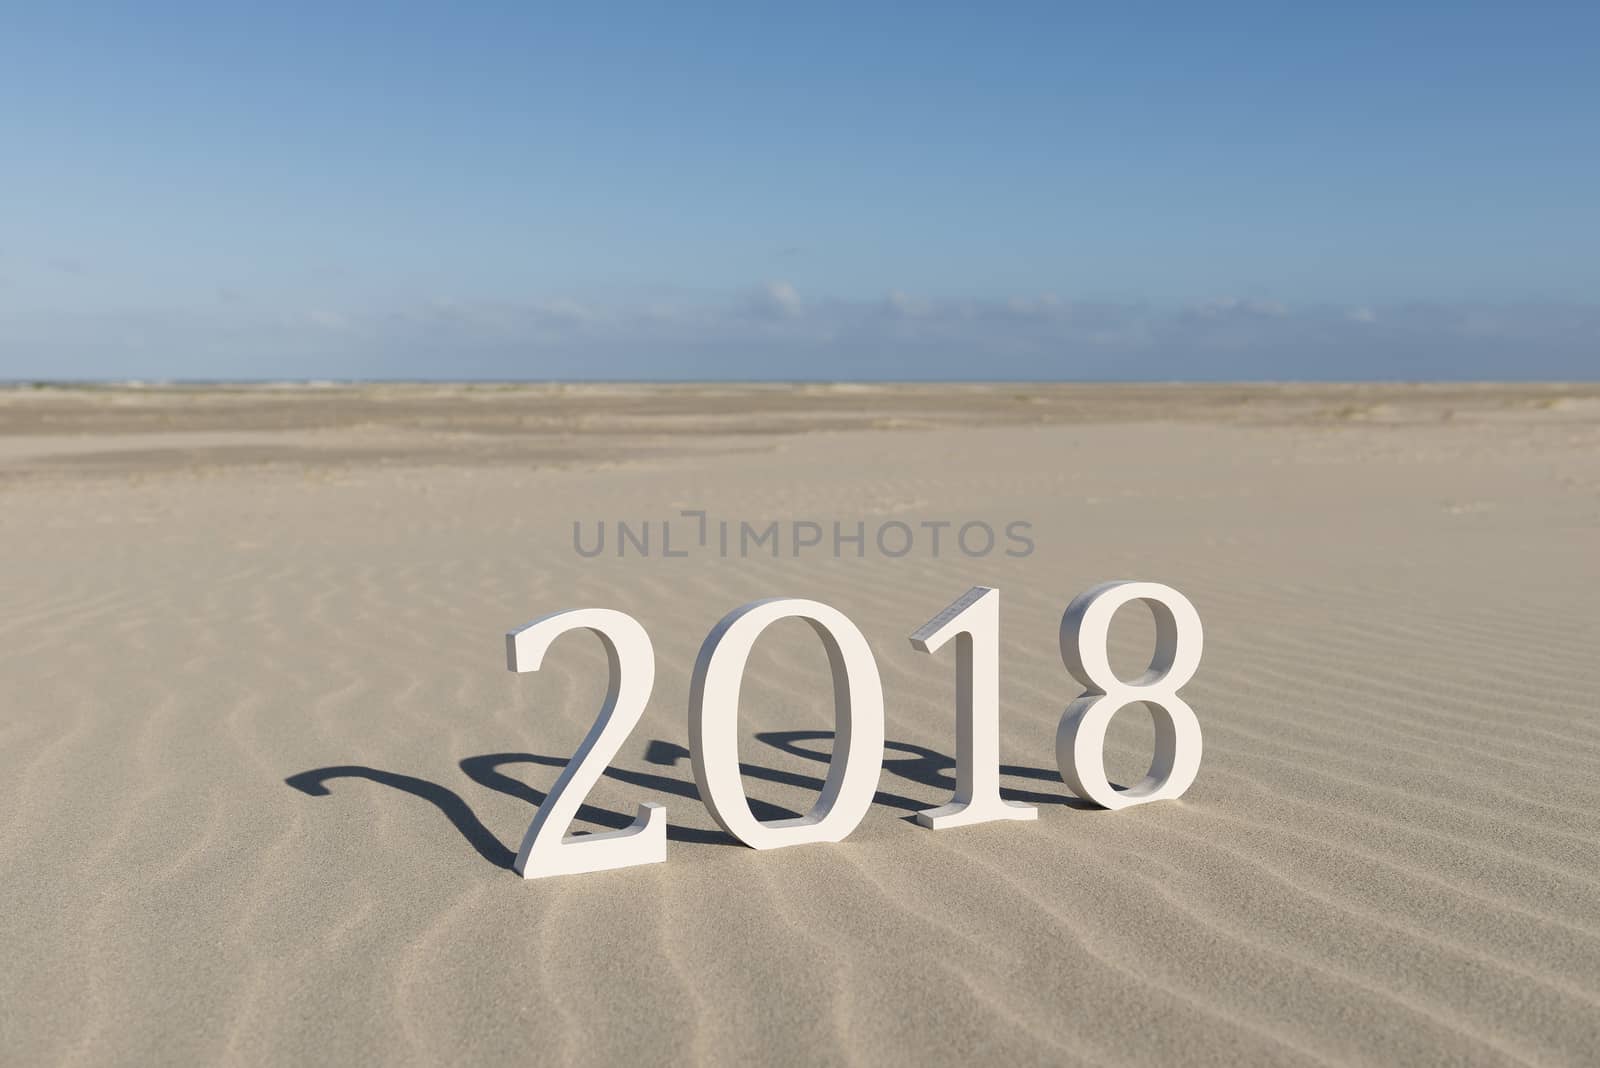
x: 264, y: 770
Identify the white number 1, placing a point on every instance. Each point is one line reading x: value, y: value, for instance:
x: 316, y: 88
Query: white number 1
x: 974, y: 620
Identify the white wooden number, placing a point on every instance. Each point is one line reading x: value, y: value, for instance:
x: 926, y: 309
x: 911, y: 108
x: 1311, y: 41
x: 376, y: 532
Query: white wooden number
x: 545, y: 850
x: 1081, y: 736
x: 973, y: 619
x: 858, y: 725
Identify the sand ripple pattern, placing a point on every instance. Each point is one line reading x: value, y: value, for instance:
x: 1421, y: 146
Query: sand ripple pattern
x: 263, y: 770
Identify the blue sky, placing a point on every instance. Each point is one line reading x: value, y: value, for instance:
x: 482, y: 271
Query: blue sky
x: 800, y: 191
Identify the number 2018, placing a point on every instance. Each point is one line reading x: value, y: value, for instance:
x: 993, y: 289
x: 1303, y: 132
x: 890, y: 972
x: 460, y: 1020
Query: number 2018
x: 973, y: 620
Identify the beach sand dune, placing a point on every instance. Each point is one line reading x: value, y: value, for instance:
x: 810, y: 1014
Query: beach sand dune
x: 263, y: 770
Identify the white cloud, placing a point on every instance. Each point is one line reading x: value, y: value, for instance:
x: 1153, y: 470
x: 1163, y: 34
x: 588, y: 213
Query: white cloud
x: 772, y: 332
x: 1239, y: 307
x: 776, y: 300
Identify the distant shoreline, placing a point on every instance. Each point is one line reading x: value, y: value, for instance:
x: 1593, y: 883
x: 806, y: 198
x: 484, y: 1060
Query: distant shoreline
x: 764, y: 383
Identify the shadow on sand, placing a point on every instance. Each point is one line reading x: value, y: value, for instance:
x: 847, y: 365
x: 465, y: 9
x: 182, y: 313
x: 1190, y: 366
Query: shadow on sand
x: 920, y: 765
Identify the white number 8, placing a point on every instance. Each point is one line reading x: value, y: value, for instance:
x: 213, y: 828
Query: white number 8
x: 1081, y: 736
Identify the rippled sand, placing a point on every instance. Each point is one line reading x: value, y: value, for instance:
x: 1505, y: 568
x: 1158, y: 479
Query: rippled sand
x: 263, y: 769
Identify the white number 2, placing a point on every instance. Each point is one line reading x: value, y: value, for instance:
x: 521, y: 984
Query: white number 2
x: 1081, y: 736
x: 545, y: 849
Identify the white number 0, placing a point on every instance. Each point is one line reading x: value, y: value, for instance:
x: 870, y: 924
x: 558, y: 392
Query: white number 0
x: 857, y: 725
x: 1081, y: 737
